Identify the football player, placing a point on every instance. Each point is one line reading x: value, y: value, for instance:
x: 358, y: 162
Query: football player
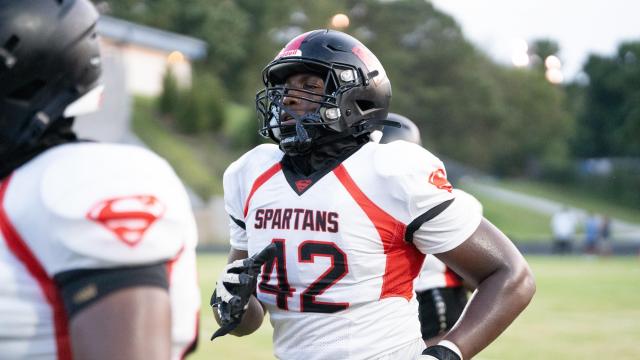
x: 97, y: 241
x: 350, y: 221
x: 441, y: 293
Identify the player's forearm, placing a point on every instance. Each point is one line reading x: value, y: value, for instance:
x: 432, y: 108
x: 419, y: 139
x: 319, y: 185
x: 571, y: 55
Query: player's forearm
x: 251, y: 319
x: 496, y: 303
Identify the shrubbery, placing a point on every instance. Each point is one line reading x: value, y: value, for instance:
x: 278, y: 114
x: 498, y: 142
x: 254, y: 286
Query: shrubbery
x: 196, y: 110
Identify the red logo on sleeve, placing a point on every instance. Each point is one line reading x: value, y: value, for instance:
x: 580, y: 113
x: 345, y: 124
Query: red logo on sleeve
x: 128, y: 217
x: 439, y: 179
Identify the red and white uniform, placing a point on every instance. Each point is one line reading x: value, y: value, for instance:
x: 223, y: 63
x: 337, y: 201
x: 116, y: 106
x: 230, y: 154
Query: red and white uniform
x: 341, y: 286
x: 89, y: 206
x: 435, y: 274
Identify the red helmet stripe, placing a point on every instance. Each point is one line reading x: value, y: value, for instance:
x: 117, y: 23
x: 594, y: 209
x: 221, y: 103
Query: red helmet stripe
x: 293, y: 47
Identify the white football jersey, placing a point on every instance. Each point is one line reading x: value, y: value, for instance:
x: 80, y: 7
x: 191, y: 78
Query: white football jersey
x: 341, y: 285
x: 89, y: 206
x: 434, y: 273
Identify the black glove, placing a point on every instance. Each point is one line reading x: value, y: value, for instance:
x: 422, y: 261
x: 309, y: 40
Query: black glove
x: 234, y: 288
x: 439, y: 352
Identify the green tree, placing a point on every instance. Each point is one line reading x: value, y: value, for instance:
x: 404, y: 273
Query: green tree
x: 470, y: 109
x: 202, y: 108
x: 540, y: 49
x: 169, y: 99
x: 609, y: 125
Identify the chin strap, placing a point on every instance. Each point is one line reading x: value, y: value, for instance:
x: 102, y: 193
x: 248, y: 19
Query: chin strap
x: 41, y: 120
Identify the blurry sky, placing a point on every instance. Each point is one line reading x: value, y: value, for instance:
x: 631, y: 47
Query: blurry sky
x: 580, y: 27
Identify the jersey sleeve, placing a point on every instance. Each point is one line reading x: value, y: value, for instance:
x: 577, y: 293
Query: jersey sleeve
x: 455, y: 224
x: 438, y: 217
x: 115, y: 207
x: 233, y: 205
x: 237, y: 182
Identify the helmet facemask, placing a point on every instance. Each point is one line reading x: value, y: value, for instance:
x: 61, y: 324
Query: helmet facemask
x: 296, y: 133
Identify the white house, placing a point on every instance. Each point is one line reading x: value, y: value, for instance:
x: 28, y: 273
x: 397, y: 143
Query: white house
x: 146, y: 52
x: 134, y: 61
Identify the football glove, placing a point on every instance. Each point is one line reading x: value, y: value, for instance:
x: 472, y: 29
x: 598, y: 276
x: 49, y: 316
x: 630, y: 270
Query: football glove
x: 234, y: 288
x: 438, y: 352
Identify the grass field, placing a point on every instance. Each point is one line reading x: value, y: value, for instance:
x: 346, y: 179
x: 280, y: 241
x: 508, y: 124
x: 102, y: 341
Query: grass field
x: 584, y: 308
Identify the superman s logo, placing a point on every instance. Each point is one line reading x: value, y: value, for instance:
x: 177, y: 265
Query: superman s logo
x: 128, y: 217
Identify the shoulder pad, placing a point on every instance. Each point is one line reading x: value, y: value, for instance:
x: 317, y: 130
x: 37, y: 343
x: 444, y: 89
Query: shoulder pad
x: 400, y: 158
x: 256, y: 160
x: 111, y: 205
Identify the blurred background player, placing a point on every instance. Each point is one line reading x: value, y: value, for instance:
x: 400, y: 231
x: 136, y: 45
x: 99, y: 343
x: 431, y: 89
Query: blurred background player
x: 440, y: 291
x: 96, y: 240
x: 563, y: 228
x: 351, y: 220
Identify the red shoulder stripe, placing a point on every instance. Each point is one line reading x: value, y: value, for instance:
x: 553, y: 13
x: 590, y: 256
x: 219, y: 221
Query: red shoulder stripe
x: 259, y: 182
x: 21, y: 251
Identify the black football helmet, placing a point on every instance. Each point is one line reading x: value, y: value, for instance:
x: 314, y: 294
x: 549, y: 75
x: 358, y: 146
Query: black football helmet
x: 405, y: 130
x: 49, y: 57
x: 356, y: 95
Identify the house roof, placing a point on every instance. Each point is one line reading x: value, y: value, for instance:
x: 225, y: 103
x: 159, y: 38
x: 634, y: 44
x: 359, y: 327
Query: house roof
x: 127, y: 32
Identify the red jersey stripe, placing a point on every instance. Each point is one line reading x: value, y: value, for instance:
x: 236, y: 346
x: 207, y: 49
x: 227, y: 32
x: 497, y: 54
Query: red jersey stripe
x: 192, y: 345
x: 403, y: 259
x: 259, y: 182
x: 21, y: 251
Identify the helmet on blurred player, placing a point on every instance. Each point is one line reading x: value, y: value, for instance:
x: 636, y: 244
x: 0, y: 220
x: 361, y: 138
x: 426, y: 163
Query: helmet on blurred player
x: 49, y: 58
x: 407, y: 130
x: 354, y: 102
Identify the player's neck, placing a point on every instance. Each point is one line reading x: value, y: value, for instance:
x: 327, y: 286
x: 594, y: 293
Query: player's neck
x: 322, y: 156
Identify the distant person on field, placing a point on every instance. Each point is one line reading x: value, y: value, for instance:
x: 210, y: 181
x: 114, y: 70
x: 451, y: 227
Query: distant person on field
x: 440, y: 291
x: 605, y: 235
x: 592, y: 234
x: 563, y: 226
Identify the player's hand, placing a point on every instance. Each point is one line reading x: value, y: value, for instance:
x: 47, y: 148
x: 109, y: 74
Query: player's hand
x: 233, y: 290
x: 236, y: 283
x: 438, y: 352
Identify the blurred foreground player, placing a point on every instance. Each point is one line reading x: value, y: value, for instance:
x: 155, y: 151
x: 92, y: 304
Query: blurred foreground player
x: 351, y: 220
x: 440, y: 291
x: 97, y: 241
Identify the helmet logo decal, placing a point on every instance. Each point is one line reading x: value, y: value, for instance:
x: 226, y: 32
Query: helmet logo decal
x: 439, y: 179
x: 287, y: 53
x: 293, y: 47
x: 128, y: 217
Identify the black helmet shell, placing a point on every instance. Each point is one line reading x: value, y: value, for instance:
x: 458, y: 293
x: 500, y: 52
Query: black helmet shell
x: 49, y: 57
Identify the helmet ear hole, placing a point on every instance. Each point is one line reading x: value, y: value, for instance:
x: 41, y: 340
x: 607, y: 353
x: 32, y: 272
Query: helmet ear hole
x: 365, y: 105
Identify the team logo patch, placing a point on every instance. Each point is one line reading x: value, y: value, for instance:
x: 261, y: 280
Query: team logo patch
x: 439, y: 179
x: 128, y: 217
x: 303, y: 184
x: 293, y: 47
x: 287, y: 53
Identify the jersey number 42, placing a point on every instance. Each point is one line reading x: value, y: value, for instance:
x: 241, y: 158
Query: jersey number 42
x: 307, y: 251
